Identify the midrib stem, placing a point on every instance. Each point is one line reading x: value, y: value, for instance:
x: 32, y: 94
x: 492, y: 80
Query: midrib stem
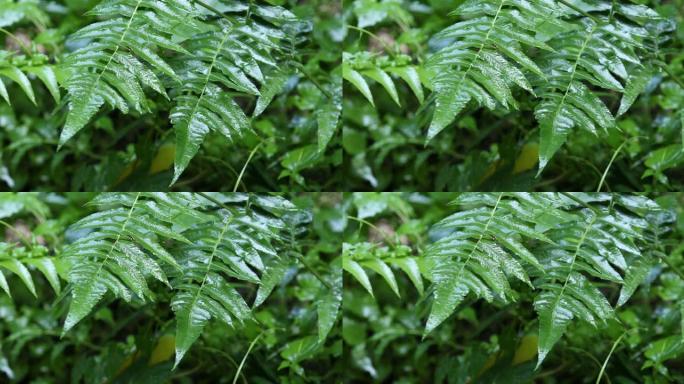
x: 486, y: 39
x: 118, y: 236
x: 479, y: 239
x: 118, y: 45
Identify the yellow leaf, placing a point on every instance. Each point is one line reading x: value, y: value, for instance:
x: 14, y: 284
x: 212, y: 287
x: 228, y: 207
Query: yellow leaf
x: 527, y: 159
x: 165, y: 348
x: 527, y: 349
x: 164, y: 158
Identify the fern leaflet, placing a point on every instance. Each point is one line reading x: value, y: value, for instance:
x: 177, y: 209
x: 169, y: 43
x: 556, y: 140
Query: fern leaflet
x: 18, y: 259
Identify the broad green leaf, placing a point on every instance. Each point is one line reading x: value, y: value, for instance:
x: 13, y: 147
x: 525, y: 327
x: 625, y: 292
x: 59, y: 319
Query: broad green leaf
x: 272, y: 276
x: 358, y: 81
x: 191, y: 317
x: 328, y: 116
x: 411, y: 77
x: 47, y: 75
x: 665, y: 158
x: 329, y: 304
x: 3, y: 92
x: 385, y: 80
x: 84, y: 102
x: 190, y: 131
x: 448, y: 294
x: 20, y: 78
x: 636, y: 274
x: 4, y: 285
x: 48, y: 268
x: 20, y: 270
x: 385, y: 271
x: 359, y: 274
x: 450, y: 100
x: 86, y: 292
x: 555, y: 123
x: 411, y: 268
x: 554, y: 317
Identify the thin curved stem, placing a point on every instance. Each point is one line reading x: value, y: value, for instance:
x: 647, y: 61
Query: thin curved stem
x: 384, y: 44
x: 313, y: 80
x: 239, y: 179
x: 313, y: 271
x: 610, y: 163
x: 391, y: 242
x: 18, y: 40
x: 605, y: 363
x: 22, y: 236
x: 242, y: 363
x: 674, y: 77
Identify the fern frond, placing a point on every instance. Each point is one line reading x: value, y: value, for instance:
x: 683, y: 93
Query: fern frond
x: 560, y: 245
x: 17, y: 67
x: 482, y: 57
x: 601, y: 244
x: 483, y: 247
x: 18, y: 259
x: 358, y: 257
x: 595, y: 54
x: 355, y: 67
x: 122, y: 247
x: 201, y: 103
x: 226, y: 62
x: 231, y: 247
x: 120, y: 57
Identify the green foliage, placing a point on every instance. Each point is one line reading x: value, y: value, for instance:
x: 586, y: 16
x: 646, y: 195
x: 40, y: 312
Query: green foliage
x: 16, y: 69
x: 132, y: 68
x: 573, y: 259
x: 358, y: 256
x: 230, y: 246
x: 362, y: 64
x: 602, y: 80
x: 115, y: 256
x: 483, y: 57
x: 226, y: 56
x: 16, y: 260
x: 119, y: 59
x: 12, y: 12
x: 527, y: 285
x: 597, y: 50
x: 180, y: 262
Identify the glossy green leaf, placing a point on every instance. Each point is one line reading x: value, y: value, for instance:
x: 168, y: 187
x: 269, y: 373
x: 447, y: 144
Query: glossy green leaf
x: 385, y: 80
x: 358, y: 81
x: 357, y: 271
x: 330, y: 302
